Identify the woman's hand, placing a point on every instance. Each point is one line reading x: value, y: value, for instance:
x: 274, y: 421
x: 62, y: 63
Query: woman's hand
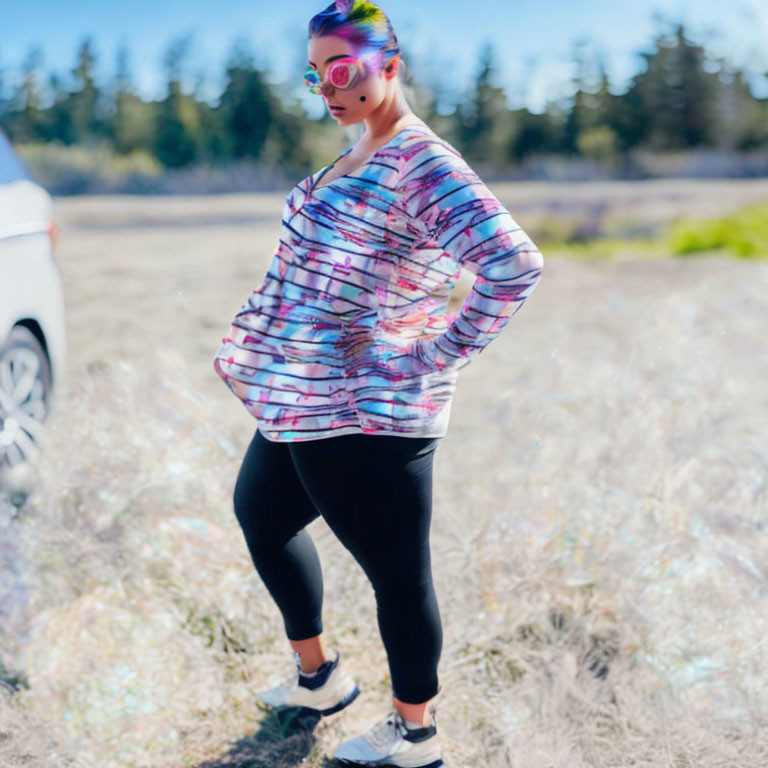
x: 399, y: 364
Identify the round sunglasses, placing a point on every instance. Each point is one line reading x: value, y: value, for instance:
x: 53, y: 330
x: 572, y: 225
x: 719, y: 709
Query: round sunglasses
x: 342, y: 73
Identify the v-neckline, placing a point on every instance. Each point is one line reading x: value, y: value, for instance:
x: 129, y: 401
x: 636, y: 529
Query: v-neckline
x: 316, y: 184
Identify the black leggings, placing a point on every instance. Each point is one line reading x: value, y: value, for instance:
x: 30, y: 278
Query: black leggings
x: 375, y: 493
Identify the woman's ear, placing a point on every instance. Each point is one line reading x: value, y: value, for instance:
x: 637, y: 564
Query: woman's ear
x: 391, y: 68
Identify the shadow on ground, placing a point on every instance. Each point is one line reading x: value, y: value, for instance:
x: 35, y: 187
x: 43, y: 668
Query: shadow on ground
x: 284, y: 739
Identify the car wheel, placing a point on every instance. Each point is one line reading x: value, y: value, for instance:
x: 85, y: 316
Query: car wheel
x: 25, y: 385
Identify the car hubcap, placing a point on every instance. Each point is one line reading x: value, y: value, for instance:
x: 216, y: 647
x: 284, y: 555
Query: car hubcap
x: 22, y: 405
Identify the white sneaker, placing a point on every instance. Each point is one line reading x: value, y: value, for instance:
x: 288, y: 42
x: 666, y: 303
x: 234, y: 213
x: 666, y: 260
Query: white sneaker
x: 391, y: 742
x: 326, y: 692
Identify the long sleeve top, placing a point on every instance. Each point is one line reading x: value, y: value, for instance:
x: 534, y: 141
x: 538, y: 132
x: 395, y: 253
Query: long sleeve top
x: 348, y: 332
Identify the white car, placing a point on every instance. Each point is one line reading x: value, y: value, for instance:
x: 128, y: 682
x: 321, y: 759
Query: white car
x: 32, y: 319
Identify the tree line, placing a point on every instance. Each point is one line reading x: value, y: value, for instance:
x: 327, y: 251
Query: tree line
x: 680, y: 98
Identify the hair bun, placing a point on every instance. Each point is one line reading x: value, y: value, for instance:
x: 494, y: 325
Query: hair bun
x: 344, y: 6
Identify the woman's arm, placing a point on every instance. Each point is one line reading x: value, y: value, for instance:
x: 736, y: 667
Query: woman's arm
x: 464, y: 218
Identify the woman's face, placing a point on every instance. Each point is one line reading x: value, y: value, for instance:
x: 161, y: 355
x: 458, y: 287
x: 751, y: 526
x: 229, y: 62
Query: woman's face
x: 363, y: 97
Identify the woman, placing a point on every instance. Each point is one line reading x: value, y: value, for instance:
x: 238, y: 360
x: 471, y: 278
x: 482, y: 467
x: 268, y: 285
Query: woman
x: 348, y: 338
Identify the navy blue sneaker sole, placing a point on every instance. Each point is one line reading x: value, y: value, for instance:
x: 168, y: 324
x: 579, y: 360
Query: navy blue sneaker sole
x: 345, y: 702
x: 341, y: 761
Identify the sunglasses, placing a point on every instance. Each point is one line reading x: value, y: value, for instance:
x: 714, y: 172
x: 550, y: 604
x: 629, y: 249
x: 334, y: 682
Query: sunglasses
x: 342, y: 73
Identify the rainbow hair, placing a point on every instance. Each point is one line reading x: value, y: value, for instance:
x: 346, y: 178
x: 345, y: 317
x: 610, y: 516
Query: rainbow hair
x: 363, y: 24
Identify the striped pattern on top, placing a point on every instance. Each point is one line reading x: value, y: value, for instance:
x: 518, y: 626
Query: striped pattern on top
x: 348, y: 332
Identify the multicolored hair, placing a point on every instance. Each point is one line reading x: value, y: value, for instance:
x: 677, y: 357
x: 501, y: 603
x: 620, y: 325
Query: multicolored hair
x: 363, y: 24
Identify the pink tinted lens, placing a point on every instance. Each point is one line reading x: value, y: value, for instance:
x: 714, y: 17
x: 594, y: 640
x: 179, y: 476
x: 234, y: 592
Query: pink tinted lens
x: 340, y: 75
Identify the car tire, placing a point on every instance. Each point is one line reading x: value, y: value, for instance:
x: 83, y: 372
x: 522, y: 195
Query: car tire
x: 22, y: 412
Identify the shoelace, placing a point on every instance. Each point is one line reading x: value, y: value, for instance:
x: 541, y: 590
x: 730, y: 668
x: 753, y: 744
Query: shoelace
x: 382, y: 733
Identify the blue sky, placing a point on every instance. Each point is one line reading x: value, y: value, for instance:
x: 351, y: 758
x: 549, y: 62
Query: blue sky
x: 534, y: 43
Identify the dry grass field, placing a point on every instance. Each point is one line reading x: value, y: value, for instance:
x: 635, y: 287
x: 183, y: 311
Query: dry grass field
x: 599, y: 528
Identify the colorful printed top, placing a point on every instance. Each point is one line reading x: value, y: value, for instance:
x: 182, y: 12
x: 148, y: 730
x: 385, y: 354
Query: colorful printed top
x: 348, y: 332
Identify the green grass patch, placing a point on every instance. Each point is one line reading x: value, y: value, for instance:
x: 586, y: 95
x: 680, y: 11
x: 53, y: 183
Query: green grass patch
x: 743, y: 233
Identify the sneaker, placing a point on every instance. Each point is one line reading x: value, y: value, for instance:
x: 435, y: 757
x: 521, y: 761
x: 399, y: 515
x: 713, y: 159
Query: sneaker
x: 391, y: 742
x: 327, y: 691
